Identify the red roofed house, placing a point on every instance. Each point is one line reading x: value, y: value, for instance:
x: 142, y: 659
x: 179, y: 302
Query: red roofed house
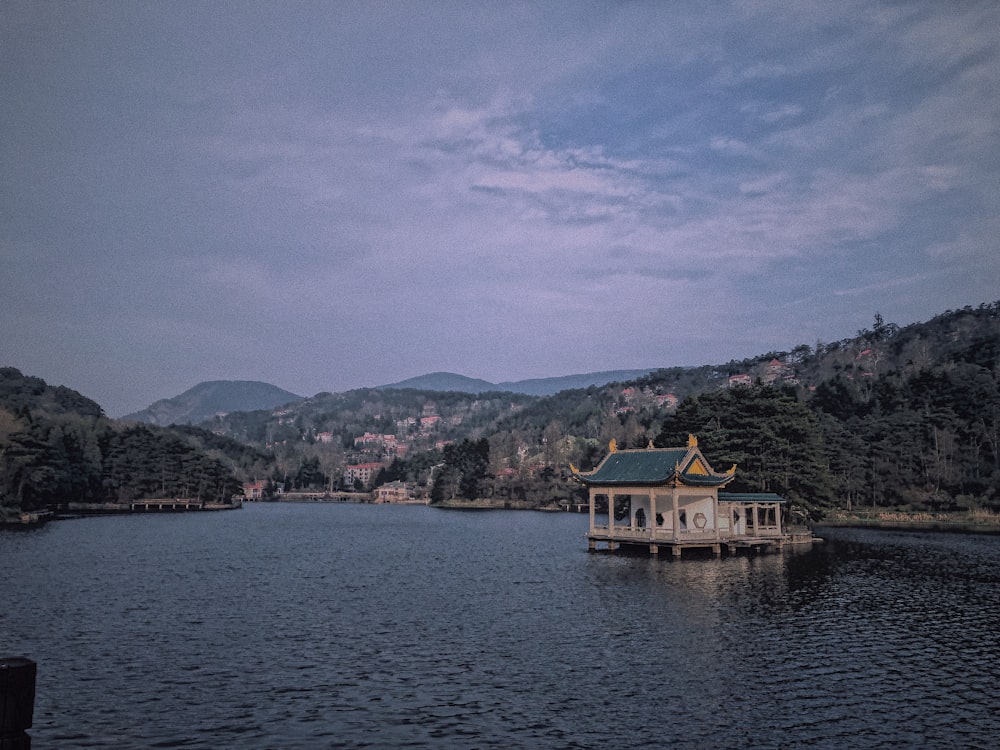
x: 253, y: 490
x: 666, y: 401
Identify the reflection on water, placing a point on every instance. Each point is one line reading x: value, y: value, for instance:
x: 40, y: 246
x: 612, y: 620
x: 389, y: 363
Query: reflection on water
x: 378, y: 626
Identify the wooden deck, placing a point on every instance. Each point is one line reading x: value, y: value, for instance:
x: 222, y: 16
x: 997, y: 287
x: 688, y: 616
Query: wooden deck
x: 657, y: 541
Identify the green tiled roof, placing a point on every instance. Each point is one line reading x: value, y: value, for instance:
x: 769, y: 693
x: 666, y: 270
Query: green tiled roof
x: 637, y: 467
x: 751, y: 497
x: 647, y: 467
x: 705, y: 480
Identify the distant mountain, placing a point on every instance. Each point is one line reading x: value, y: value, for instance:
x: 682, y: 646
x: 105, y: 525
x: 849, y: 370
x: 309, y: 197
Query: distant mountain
x: 449, y: 381
x: 551, y: 386
x: 57, y: 447
x: 208, y: 399
x: 443, y: 381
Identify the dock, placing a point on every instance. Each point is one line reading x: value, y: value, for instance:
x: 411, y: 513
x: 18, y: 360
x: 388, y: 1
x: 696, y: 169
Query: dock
x: 160, y: 504
x: 143, y: 505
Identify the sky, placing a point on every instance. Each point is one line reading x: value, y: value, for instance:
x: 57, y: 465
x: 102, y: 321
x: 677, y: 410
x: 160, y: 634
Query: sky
x: 333, y: 195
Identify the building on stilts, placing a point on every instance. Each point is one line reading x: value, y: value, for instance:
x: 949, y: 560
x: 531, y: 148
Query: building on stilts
x: 672, y: 498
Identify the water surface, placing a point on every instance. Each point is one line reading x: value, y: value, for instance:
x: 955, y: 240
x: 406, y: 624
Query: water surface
x: 330, y: 626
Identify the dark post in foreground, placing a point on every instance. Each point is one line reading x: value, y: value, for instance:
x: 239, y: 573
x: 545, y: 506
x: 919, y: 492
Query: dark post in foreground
x: 17, y: 701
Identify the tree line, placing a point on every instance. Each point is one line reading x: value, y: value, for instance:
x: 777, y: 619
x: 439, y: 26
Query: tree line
x: 891, y: 417
x: 894, y: 417
x: 57, y: 447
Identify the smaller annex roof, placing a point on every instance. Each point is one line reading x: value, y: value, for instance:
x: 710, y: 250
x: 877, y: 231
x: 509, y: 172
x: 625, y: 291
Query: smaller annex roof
x: 750, y: 497
x: 655, y: 466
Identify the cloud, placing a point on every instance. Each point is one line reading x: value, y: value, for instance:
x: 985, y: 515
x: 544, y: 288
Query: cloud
x: 371, y: 186
x: 729, y: 145
x: 881, y: 287
x: 781, y: 112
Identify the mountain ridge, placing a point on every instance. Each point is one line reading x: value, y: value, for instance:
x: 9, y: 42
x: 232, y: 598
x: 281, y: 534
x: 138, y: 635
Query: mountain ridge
x: 212, y: 397
x: 449, y: 381
x: 922, y: 398
x: 209, y: 398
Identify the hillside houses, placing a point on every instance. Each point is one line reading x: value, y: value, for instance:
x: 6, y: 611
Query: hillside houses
x: 632, y: 400
x: 331, y: 441
x: 387, y: 444
x: 775, y: 371
x: 768, y: 373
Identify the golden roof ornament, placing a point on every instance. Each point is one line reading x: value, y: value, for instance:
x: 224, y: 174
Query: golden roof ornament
x: 613, y: 445
x: 692, y: 441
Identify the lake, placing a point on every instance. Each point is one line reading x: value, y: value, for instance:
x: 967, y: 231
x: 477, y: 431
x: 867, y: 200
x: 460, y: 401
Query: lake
x: 351, y: 626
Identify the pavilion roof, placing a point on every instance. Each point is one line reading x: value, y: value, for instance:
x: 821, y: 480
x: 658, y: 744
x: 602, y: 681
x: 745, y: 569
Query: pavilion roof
x: 655, y: 466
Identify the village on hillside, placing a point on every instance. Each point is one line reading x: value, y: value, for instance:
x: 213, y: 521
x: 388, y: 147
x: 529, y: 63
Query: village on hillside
x: 370, y: 453
x: 897, y: 418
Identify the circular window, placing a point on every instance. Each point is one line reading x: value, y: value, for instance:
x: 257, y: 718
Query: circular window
x: 700, y: 520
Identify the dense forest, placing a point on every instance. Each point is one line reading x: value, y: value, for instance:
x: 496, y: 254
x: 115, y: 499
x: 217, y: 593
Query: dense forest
x: 892, y: 417
x: 901, y: 417
x: 56, y: 446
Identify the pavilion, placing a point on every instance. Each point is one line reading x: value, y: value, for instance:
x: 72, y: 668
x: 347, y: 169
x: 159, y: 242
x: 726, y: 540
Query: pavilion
x: 671, y: 497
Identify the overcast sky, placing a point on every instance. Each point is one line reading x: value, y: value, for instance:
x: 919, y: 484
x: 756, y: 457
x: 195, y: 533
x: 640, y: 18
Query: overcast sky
x: 332, y: 195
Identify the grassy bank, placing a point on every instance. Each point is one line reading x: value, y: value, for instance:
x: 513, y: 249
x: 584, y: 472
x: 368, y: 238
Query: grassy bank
x: 970, y: 522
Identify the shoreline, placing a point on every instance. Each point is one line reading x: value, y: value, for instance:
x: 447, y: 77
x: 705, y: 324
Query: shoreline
x: 494, y: 505
x: 19, y: 519
x: 898, y: 524
x: 68, y: 511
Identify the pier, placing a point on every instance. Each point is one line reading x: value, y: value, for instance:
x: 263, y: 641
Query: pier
x: 143, y: 505
x: 159, y: 504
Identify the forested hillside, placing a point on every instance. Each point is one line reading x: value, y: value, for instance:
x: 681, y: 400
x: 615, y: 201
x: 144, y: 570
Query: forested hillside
x: 903, y: 417
x: 892, y: 416
x: 57, y: 447
x: 313, y: 440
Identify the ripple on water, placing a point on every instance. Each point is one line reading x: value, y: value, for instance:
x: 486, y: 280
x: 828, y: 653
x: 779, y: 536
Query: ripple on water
x: 318, y: 626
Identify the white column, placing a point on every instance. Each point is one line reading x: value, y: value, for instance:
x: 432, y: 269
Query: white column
x: 676, y: 512
x: 590, y: 493
x: 652, y: 513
